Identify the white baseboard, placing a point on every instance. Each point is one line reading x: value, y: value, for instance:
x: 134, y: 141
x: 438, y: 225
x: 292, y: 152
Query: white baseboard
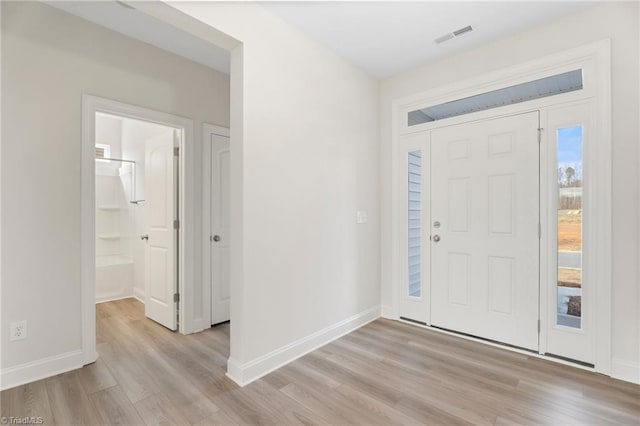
x: 234, y: 371
x: 197, y: 326
x: 243, y: 374
x: 139, y: 294
x: 626, y: 370
x: 40, y: 369
x: 112, y: 299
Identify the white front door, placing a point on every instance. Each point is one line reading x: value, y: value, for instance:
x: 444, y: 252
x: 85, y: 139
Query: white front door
x: 161, y: 210
x: 484, y: 229
x: 219, y: 239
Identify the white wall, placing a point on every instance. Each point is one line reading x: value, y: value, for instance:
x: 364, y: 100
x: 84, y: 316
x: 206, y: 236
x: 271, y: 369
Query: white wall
x: 618, y: 21
x: 109, y: 131
x: 134, y: 136
x: 49, y: 59
x: 304, y: 160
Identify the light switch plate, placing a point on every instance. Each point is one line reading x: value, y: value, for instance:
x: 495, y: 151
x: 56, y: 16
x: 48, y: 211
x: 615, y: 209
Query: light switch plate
x: 361, y: 216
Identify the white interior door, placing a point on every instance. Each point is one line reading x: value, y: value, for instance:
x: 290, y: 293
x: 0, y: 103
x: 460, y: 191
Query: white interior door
x: 484, y: 227
x: 161, y: 209
x: 219, y: 239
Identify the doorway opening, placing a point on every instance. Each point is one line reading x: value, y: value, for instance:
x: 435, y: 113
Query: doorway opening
x: 136, y: 214
x: 137, y: 165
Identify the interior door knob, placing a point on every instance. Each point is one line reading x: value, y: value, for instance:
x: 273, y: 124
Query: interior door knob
x: 144, y: 237
x: 436, y: 238
x: 216, y: 238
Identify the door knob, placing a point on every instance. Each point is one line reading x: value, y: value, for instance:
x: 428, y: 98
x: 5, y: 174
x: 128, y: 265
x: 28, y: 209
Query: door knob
x: 436, y: 238
x: 144, y: 237
x: 216, y: 238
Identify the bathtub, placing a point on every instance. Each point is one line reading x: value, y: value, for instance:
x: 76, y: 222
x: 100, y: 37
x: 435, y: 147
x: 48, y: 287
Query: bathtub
x: 114, y: 277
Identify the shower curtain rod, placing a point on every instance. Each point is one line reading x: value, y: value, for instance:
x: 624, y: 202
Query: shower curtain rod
x: 115, y: 159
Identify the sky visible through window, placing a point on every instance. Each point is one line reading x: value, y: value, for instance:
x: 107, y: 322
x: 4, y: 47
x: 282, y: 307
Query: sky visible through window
x: 570, y: 146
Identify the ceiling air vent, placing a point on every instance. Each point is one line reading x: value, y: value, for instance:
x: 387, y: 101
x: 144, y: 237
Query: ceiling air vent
x: 461, y: 31
x: 456, y: 33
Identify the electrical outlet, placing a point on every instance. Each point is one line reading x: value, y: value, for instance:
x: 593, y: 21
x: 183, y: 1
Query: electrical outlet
x: 18, y: 330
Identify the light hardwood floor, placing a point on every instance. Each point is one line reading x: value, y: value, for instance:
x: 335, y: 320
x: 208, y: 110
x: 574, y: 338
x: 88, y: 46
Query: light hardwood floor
x: 383, y: 373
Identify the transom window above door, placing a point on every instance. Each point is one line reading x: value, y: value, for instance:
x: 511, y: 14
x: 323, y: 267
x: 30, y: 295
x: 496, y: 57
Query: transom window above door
x: 536, y: 89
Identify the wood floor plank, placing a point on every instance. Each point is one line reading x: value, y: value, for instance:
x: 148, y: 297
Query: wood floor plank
x: 409, y: 383
x: 259, y: 403
x: 175, y: 383
x: 368, y: 383
x: 333, y: 410
x: 114, y: 408
x: 174, y: 367
x: 502, y: 394
x: 70, y: 405
x: 135, y: 382
x: 436, y: 390
x: 158, y: 409
x: 220, y: 418
x: 96, y: 377
x: 385, y: 413
x: 386, y: 372
x: 30, y: 400
x: 299, y: 372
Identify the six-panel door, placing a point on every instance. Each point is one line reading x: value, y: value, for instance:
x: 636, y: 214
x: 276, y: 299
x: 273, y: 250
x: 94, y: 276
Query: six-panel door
x: 485, y: 246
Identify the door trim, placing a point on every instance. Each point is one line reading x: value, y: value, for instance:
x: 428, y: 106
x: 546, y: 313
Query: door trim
x: 186, y: 285
x: 595, y: 60
x: 207, y: 130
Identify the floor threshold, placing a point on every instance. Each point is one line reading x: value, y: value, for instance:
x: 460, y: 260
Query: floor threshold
x: 546, y: 356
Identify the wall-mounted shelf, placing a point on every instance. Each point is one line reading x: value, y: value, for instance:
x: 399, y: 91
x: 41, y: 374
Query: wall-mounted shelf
x: 109, y: 236
x: 109, y: 207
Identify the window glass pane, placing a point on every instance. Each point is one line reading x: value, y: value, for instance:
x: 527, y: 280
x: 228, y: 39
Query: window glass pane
x: 414, y: 284
x: 548, y: 86
x: 569, y: 289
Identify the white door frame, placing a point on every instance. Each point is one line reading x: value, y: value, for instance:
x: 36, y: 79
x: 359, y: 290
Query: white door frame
x: 186, y: 244
x: 207, y: 130
x: 595, y: 60
x: 548, y: 207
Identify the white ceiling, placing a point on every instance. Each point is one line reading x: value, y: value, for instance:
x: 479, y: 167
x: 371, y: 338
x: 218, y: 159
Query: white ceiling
x: 382, y: 38
x: 385, y: 38
x: 140, y: 26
